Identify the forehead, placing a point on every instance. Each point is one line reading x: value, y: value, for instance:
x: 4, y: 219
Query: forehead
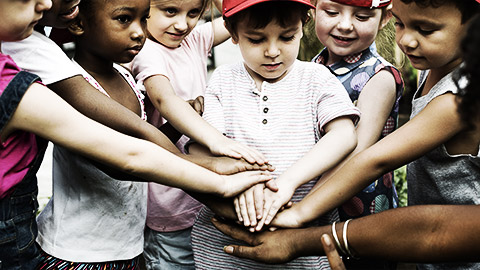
x: 179, y: 3
x: 272, y: 28
x: 412, y: 13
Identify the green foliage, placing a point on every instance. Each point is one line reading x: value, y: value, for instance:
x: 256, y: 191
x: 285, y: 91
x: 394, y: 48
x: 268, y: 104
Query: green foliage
x: 400, y: 179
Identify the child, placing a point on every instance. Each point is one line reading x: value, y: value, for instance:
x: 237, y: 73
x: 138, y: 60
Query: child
x: 444, y: 166
x: 31, y: 111
x: 348, y: 30
x: 106, y: 32
x: 173, y: 66
x: 297, y: 113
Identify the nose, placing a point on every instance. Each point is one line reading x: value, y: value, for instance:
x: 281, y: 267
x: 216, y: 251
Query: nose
x: 138, y: 31
x: 406, y: 40
x: 272, y: 50
x: 181, y: 23
x: 43, y: 5
x: 345, y: 23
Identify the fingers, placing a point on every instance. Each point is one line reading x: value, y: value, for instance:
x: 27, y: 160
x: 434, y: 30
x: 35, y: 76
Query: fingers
x: 258, y: 199
x: 241, y: 251
x: 243, y: 210
x: 334, y: 259
x: 236, y: 204
x: 234, y: 231
x: 272, y: 185
x: 241, y: 181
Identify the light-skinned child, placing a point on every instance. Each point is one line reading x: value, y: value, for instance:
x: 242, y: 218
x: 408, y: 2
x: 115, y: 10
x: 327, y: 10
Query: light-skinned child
x: 441, y: 153
x: 296, y: 113
x: 172, y: 67
x: 348, y: 30
x: 31, y: 114
x: 40, y: 55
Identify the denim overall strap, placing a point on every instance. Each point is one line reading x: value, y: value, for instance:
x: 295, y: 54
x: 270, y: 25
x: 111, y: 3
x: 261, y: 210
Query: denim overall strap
x: 18, y: 228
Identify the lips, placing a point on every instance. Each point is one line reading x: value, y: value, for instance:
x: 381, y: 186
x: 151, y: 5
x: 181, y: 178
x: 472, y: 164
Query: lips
x: 70, y: 14
x: 272, y: 67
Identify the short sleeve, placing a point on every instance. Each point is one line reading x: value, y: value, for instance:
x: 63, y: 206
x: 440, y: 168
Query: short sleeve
x: 41, y: 56
x: 213, y: 108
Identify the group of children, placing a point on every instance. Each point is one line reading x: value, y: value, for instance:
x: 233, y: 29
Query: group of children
x: 288, y: 131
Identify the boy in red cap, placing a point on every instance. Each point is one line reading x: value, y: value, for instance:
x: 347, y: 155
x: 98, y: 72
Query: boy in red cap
x: 296, y: 113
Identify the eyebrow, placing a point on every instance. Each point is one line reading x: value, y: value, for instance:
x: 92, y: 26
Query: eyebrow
x: 131, y: 9
x: 257, y: 32
x: 420, y: 21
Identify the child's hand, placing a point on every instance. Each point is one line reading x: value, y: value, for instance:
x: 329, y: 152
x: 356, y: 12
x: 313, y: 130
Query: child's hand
x: 289, y: 218
x: 231, y: 148
x: 197, y: 104
x: 237, y: 183
x: 249, y: 205
x: 273, y: 202
x: 228, y: 165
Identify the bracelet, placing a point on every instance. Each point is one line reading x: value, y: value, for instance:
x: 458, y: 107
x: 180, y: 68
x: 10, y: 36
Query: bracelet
x: 334, y: 233
x: 345, y: 240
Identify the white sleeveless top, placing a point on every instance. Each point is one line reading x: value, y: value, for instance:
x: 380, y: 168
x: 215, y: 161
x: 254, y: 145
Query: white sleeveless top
x: 92, y: 217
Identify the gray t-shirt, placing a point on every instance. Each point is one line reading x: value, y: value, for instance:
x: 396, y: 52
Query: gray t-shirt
x: 441, y: 178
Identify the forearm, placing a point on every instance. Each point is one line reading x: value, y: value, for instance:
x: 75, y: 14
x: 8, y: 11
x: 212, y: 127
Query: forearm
x: 429, y: 233
x: 95, y: 105
x: 220, y: 206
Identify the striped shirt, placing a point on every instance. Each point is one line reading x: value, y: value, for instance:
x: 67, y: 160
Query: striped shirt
x: 283, y: 121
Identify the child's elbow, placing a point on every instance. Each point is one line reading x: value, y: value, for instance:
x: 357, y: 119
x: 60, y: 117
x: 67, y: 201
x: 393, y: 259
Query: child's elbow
x: 351, y: 138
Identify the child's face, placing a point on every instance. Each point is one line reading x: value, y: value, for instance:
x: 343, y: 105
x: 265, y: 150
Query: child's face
x: 430, y: 37
x: 171, y: 21
x: 269, y: 53
x: 61, y: 14
x: 117, y: 30
x: 18, y: 17
x: 346, y: 30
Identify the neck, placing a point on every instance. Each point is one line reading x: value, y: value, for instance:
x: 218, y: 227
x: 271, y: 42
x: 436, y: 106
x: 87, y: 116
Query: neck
x: 93, y: 64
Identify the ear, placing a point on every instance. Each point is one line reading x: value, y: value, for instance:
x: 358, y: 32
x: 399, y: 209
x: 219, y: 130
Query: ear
x: 76, y: 27
x: 386, y: 17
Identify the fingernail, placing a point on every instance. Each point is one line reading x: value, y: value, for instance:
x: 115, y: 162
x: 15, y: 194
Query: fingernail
x: 228, y: 249
x: 326, y: 239
x: 214, y: 219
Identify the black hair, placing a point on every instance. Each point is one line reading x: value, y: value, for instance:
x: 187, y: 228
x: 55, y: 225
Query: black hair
x: 468, y: 8
x: 285, y: 13
x: 469, y: 96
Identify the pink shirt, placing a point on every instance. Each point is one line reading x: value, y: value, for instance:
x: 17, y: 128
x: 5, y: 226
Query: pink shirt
x: 171, y: 209
x: 20, y: 148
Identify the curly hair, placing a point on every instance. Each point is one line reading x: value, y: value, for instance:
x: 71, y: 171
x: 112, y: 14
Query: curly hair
x: 468, y: 8
x: 469, y: 96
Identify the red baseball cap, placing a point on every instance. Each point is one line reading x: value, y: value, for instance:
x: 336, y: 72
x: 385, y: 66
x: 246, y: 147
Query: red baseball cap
x: 365, y: 3
x: 231, y: 7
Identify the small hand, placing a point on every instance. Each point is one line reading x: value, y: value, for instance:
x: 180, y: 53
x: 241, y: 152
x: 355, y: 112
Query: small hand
x: 268, y: 247
x: 231, y: 148
x: 273, y: 202
x: 249, y: 205
x: 289, y: 218
x: 237, y: 183
x: 228, y: 165
x: 197, y: 104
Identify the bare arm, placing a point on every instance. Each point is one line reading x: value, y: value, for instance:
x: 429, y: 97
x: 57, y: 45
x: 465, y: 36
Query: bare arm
x: 428, y: 233
x: 436, y: 124
x: 181, y: 115
x: 375, y: 106
x: 42, y: 112
x: 95, y: 105
x: 220, y: 33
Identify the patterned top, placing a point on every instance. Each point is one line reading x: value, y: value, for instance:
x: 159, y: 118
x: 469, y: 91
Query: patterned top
x: 441, y: 178
x: 354, y: 71
x: 283, y: 121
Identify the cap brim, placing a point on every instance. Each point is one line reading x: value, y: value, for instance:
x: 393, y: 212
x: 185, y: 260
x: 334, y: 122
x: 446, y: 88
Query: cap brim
x: 247, y: 4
